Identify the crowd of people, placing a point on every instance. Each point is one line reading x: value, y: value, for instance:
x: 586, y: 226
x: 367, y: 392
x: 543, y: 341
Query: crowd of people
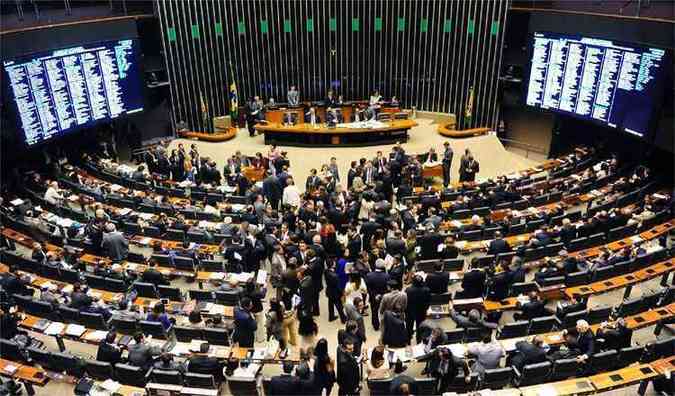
x: 355, y: 240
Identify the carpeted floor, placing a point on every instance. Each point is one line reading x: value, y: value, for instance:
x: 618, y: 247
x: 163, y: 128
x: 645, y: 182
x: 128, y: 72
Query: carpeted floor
x: 494, y: 159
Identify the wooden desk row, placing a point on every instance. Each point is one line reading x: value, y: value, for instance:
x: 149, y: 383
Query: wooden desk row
x: 24, y: 373
x: 621, y: 281
x: 648, y: 235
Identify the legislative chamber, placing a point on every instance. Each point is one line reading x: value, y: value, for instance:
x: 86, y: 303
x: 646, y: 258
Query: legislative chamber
x: 384, y: 197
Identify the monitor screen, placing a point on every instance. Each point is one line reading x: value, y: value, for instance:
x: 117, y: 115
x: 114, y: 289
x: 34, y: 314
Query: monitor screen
x: 64, y: 90
x: 605, y: 81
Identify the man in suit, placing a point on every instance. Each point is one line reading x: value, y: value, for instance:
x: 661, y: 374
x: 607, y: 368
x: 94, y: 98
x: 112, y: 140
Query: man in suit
x: 309, y: 386
x: 152, y: 275
x: 272, y: 190
x: 108, y: 350
x: 141, y: 354
x: 498, y: 245
x: 353, y: 314
x: 529, y: 352
x: 438, y: 281
x: 396, y: 244
x: 473, y: 282
x: 535, y: 308
x: 245, y: 324
x: 333, y: 167
x: 568, y: 232
x: 376, y: 281
x: 293, y: 96
x: 313, y: 181
x: 202, y: 363
x: 473, y: 320
x: 334, y: 294
x: 420, y: 298
x: 285, y: 384
x: 115, y: 244
x: 348, y: 371
x: 447, y: 163
x: 352, y: 173
x: 614, y: 335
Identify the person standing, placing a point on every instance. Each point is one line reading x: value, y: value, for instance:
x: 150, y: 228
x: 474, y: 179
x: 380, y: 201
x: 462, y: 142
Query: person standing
x: 245, y: 324
x: 447, y: 163
x: 377, y: 287
x: 334, y: 294
x: 348, y: 372
x: 324, y: 367
x: 419, y: 297
x: 469, y: 168
x: 293, y: 96
x: 272, y: 190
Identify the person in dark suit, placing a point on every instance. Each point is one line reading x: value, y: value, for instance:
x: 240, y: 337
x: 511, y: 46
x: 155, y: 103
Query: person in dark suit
x: 108, y: 351
x: 152, y: 275
x: 79, y: 299
x: 285, y: 384
x: 394, y: 333
x: 313, y: 181
x: 473, y: 320
x: 499, y: 283
x: 140, y: 353
x: 352, y: 173
x: 568, y: 232
x: 447, y: 163
x: 468, y: 167
x: 529, y: 353
x: 202, y: 363
x: 272, y: 190
x: 334, y: 294
x: 584, y: 342
x: 308, y: 383
x: 574, y: 304
x: 348, y: 371
x: 444, y: 366
x: 429, y: 244
x: 376, y: 281
x: 614, y: 335
x: 416, y: 313
x: 438, y: 281
x: 535, y: 308
x: 498, y: 245
x: 245, y: 324
x: 473, y: 282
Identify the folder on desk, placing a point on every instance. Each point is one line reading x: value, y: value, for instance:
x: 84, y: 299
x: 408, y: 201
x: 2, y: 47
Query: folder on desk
x: 75, y: 330
x: 42, y: 324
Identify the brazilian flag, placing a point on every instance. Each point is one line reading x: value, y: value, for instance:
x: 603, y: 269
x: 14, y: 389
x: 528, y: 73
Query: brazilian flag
x: 234, y: 99
x: 468, y: 110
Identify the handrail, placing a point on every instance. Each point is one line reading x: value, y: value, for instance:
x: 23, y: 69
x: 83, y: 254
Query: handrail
x: 526, y: 146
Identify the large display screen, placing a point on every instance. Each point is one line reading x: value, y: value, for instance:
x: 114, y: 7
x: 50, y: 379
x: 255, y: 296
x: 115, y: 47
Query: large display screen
x: 67, y: 89
x: 601, y: 80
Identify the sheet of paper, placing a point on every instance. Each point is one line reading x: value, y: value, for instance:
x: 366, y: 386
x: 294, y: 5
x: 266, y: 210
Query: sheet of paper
x: 16, y: 202
x: 110, y: 385
x: 262, y: 277
x: 96, y: 335
x: 54, y: 328
x: 75, y: 330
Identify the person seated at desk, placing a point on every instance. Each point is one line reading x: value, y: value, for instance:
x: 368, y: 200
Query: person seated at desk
x: 311, y: 117
x: 614, y: 335
x: 290, y: 119
x: 444, y: 366
x: 330, y: 99
x: 108, y: 350
x: 394, y: 102
x: 142, y: 354
x: 202, y: 363
x: 271, y: 104
x: 333, y: 117
x: 166, y: 362
x: 158, y: 314
x: 139, y: 174
x: 529, y: 352
x: 285, y: 384
x: 152, y: 275
x: 535, y: 308
x: 293, y: 96
x: 53, y: 194
x: 488, y: 354
x: 375, y: 99
x: 583, y: 342
x: 377, y: 367
x: 430, y: 157
x: 473, y: 320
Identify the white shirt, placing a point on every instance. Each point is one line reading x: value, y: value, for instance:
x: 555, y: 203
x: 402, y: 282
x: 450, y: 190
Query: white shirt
x: 291, y: 196
x: 52, y: 196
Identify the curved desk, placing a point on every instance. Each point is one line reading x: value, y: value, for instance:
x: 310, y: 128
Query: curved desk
x: 306, y: 135
x: 210, y: 137
x: 444, y: 130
